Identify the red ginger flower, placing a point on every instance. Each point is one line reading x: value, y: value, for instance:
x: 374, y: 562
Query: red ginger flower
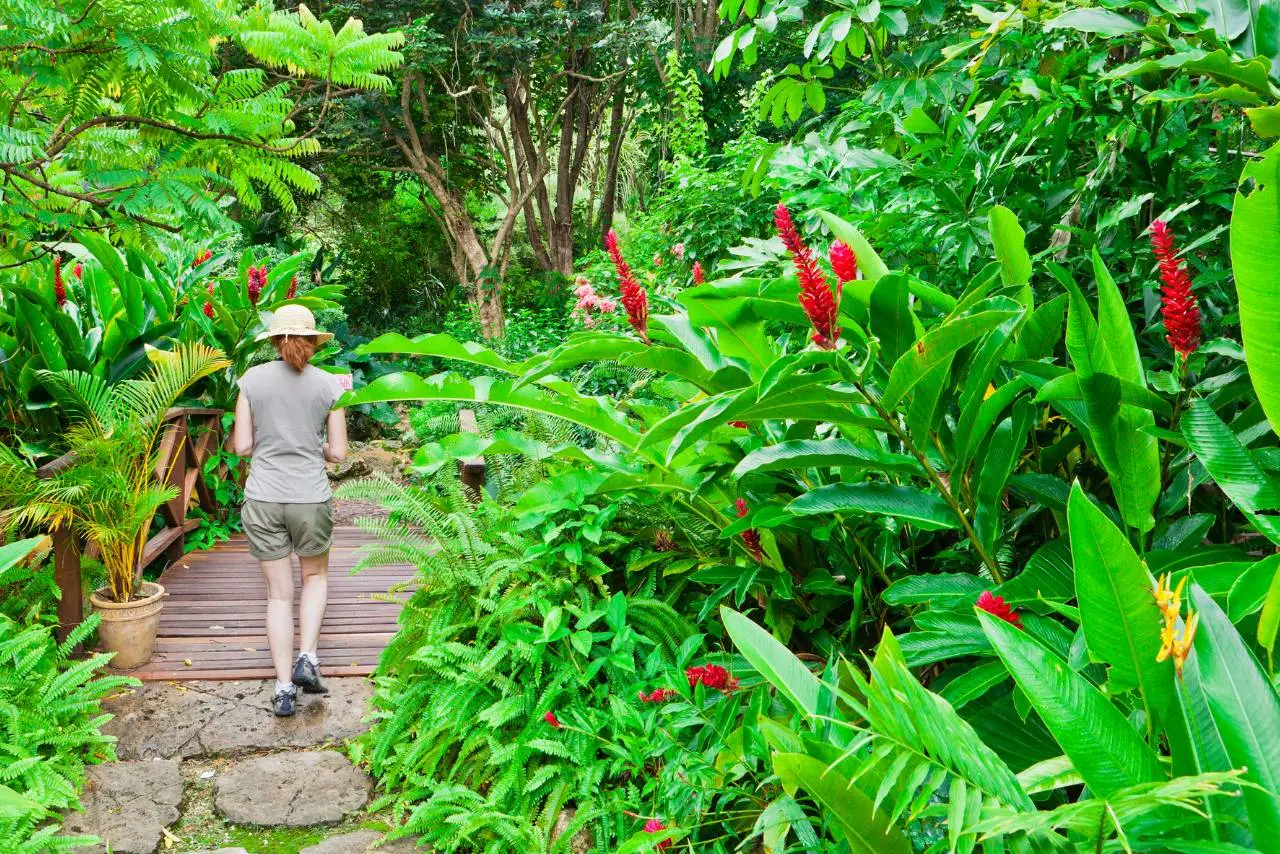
x: 741, y: 425
x: 843, y: 262
x: 699, y: 277
x: 819, y: 304
x: 655, y: 826
x: 550, y: 717
x: 711, y: 675
x: 634, y: 298
x: 996, y: 607
x: 659, y: 695
x: 201, y: 256
x: 293, y: 288
x: 257, y: 281
x: 59, y: 286
x: 78, y: 271
x: 750, y: 537
x: 1177, y: 302
x: 208, y: 309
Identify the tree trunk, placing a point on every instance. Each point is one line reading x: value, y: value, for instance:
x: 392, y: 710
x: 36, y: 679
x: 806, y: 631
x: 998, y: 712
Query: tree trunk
x: 609, y: 198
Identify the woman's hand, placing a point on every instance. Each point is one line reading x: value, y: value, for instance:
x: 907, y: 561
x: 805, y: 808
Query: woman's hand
x: 242, y: 433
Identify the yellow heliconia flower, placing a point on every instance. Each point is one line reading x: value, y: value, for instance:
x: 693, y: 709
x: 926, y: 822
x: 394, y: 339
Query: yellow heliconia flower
x: 1173, y: 644
x: 990, y: 391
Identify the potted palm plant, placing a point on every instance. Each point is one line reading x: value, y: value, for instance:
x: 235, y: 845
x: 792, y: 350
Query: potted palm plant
x: 108, y: 491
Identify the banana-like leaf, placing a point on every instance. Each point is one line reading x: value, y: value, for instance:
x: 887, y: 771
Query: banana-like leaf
x: 941, y: 342
x: 823, y: 453
x: 865, y: 828
x: 1010, y: 244
x: 577, y: 409
x: 578, y: 350
x: 1255, y: 233
x: 443, y: 347
x: 773, y: 661
x: 1069, y: 388
x: 890, y: 316
x: 1245, y: 708
x: 1104, y: 747
x: 925, y: 510
x: 873, y: 267
x: 1232, y: 467
x: 1117, y: 611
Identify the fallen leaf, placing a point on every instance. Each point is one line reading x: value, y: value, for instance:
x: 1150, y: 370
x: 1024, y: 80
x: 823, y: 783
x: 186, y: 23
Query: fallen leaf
x: 186, y: 661
x: 205, y: 775
x: 216, y: 628
x: 249, y: 649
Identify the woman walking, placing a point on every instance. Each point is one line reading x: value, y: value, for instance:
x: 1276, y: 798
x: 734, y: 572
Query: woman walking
x: 282, y: 417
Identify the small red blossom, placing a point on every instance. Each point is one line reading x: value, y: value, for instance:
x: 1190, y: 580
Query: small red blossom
x: 208, y: 309
x: 655, y: 826
x: 711, y: 675
x: 843, y: 262
x: 1178, y: 305
x: 59, y: 286
x: 750, y: 537
x: 741, y: 425
x: 293, y: 288
x: 699, y: 277
x: 634, y: 298
x: 78, y: 271
x: 550, y: 717
x: 201, y: 256
x: 996, y: 607
x: 819, y: 304
x: 257, y: 281
x: 658, y: 695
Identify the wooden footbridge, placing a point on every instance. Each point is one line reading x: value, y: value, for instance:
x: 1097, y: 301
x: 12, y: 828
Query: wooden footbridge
x: 213, y: 625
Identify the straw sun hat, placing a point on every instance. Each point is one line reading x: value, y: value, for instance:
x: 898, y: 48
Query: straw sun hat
x: 296, y: 320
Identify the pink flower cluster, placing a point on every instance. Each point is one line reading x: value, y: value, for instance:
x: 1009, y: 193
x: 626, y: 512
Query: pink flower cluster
x: 653, y: 825
x: 589, y: 302
x: 257, y: 281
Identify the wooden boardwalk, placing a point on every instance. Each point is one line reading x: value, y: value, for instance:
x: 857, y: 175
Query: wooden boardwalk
x: 214, y: 621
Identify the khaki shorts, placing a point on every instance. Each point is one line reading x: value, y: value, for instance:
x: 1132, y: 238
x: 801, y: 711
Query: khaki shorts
x: 275, y: 530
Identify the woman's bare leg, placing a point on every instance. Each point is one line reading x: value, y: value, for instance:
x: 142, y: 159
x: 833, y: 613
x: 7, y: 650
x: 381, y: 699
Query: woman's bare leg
x: 279, y: 578
x: 315, y: 594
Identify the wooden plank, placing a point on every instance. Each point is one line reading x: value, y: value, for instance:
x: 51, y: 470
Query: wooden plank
x: 67, y: 575
x: 170, y: 674
x: 165, y: 539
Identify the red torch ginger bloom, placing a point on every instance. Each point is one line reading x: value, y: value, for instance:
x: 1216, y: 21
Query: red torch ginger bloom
x: 1177, y: 302
x: 257, y: 281
x: 550, y: 717
x: 996, y: 607
x: 711, y: 675
x: 741, y: 425
x: 293, y: 288
x: 819, y: 304
x: 634, y: 298
x: 699, y: 277
x: 59, y: 286
x: 843, y: 262
x: 78, y: 271
x: 659, y: 695
x: 201, y: 256
x: 750, y: 537
x: 208, y: 309
x: 655, y: 826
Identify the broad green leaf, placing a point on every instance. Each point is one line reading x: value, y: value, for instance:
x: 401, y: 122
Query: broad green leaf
x: 864, y: 828
x: 1221, y: 66
x: 440, y: 346
x: 1255, y: 234
x: 1245, y: 707
x: 1115, y: 329
x: 832, y: 453
x: 14, y: 805
x: 1010, y: 244
x: 923, y: 509
x: 890, y: 315
x: 11, y: 554
x: 1232, y: 467
x: 941, y: 342
x: 937, y: 589
x: 869, y: 263
x: 1106, y: 750
x: 1269, y: 621
x: 773, y: 661
x: 1117, y: 610
x: 1100, y: 21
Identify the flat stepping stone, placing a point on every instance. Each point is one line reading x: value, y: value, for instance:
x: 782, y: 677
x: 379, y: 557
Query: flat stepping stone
x: 291, y: 789
x: 205, y: 718
x: 127, y: 805
x: 362, y: 842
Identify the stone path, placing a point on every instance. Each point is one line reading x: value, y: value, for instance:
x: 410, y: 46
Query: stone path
x: 207, y: 762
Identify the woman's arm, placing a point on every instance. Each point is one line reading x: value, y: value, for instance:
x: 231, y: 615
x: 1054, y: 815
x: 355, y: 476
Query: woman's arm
x: 335, y: 450
x: 242, y: 433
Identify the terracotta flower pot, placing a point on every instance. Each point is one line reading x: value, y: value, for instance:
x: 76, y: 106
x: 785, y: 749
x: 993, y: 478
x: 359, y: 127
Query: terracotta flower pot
x: 129, y: 628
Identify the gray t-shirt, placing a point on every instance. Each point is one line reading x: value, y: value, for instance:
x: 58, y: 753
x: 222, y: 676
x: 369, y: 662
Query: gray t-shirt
x: 290, y: 410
